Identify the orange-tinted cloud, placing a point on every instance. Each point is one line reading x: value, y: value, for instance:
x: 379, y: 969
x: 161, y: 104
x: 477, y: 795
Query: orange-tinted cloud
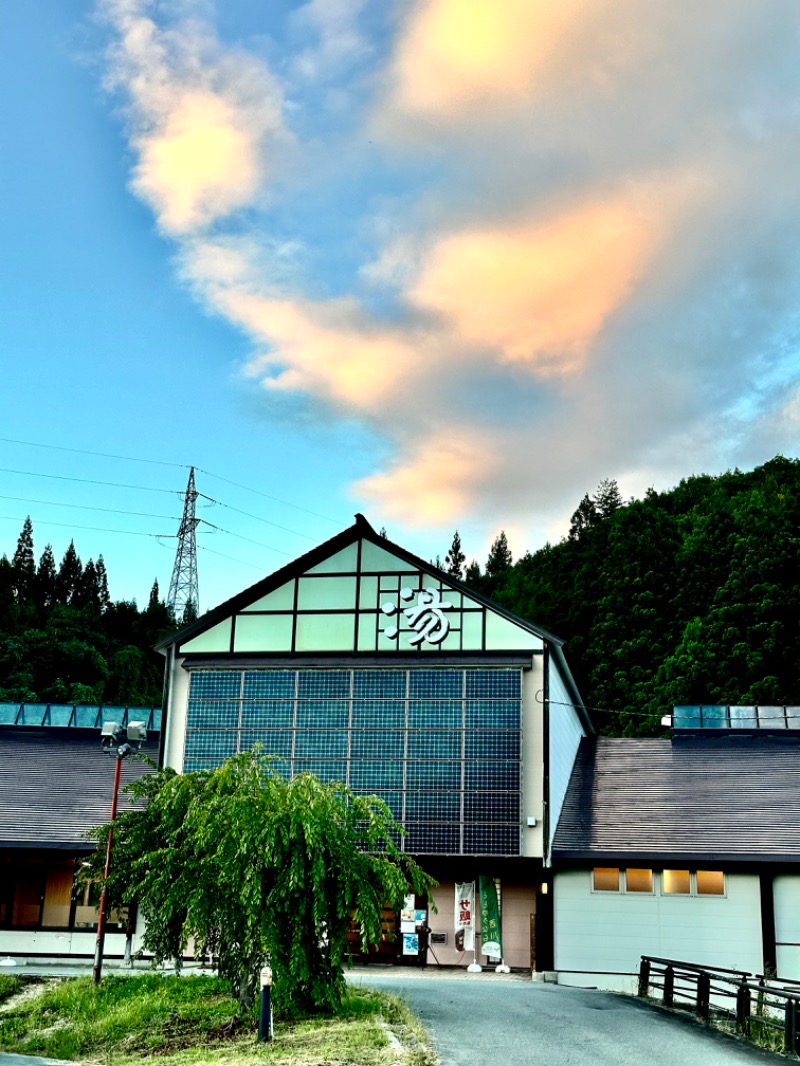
x: 540, y: 292
x: 435, y: 480
x: 459, y: 57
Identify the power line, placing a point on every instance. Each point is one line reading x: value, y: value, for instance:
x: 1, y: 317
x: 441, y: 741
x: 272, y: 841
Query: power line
x: 87, y: 507
x: 241, y: 537
x: 88, y: 481
x: 83, y: 451
x: 96, y: 529
x: 266, y: 495
x: 247, y: 514
x: 253, y: 566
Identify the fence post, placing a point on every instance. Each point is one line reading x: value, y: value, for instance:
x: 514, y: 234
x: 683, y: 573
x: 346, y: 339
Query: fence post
x: 743, y: 1008
x: 669, y: 986
x: 644, y: 977
x: 703, y: 996
x: 790, y: 1028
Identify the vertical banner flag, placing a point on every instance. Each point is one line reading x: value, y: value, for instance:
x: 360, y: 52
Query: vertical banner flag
x: 491, y: 941
x: 465, y: 916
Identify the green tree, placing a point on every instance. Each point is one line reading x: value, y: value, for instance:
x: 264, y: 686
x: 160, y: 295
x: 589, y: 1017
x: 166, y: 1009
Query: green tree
x: 102, y: 583
x: 583, y: 518
x: 24, y: 566
x: 455, y: 558
x: 252, y: 866
x: 46, y: 579
x: 607, y: 499
x: 69, y: 575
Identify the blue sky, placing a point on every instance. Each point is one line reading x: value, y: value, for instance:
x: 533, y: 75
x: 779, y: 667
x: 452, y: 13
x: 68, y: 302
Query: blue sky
x: 447, y: 263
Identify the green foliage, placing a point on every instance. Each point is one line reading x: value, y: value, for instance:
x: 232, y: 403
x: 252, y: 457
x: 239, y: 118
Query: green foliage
x: 251, y: 865
x: 687, y: 596
x: 62, y: 640
x: 455, y: 558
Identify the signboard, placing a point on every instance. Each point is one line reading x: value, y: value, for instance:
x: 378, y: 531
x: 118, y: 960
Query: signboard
x: 491, y: 939
x: 465, y: 916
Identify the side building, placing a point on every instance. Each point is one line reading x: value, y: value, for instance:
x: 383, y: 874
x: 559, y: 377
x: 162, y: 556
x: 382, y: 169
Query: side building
x: 364, y: 664
x: 684, y: 848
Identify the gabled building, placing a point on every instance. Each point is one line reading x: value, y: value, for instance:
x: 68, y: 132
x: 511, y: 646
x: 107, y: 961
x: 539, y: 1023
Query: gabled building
x: 367, y: 665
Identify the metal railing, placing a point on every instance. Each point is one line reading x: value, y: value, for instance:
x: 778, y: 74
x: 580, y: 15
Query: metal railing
x: 762, y: 1009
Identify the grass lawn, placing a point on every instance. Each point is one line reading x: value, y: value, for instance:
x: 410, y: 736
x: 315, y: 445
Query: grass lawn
x: 192, y: 1020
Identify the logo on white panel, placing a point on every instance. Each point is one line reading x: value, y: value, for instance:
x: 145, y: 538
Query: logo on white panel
x: 426, y: 617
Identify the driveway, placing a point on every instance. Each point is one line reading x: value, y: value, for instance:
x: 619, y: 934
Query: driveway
x: 477, y: 1022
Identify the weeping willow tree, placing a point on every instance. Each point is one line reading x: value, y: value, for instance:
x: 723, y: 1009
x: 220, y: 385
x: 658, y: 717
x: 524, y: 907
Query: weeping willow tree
x: 249, y: 866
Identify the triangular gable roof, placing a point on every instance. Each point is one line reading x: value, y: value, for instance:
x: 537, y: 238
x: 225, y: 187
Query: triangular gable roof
x: 269, y: 598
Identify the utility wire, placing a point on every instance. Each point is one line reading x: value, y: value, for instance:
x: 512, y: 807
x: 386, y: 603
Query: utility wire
x: 97, y: 529
x: 247, y: 514
x: 87, y: 507
x: 266, y: 495
x: 252, y: 566
x: 83, y: 451
x: 241, y: 537
x: 88, y: 481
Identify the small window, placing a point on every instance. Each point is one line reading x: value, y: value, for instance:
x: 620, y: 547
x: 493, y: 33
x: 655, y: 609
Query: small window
x: 605, y: 879
x: 676, y: 883
x: 710, y: 883
x: 638, y: 880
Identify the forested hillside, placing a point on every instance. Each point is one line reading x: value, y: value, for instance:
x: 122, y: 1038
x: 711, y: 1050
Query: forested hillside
x: 688, y: 596
x: 63, y: 640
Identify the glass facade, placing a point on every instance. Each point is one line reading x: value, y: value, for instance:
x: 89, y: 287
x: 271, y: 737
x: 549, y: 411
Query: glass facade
x: 440, y: 746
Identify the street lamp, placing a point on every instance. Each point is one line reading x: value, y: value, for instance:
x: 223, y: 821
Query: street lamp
x: 119, y: 742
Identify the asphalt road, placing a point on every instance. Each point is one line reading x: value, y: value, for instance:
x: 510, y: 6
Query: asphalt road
x: 487, y: 1023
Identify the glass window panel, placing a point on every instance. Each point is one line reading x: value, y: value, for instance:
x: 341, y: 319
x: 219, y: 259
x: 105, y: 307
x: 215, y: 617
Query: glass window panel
x: 676, y: 883
x: 771, y: 718
x: 207, y: 714
x: 331, y: 683
x: 492, y: 714
x: 429, y: 714
x: 272, y: 741
x: 327, y: 770
x: 368, y: 594
x: 33, y: 714
x: 60, y: 714
x: 376, y: 776
x: 433, y: 806
x: 491, y: 806
x: 377, y: 744
x: 491, y: 839
x: 156, y: 718
x: 710, y: 883
x: 486, y: 744
x: 9, y: 712
x: 434, y: 775
x: 322, y: 714
x: 639, y: 880
x: 743, y: 717
x: 605, y: 879
x: 687, y: 716
x: 325, y: 632
x: 326, y: 593
x: 793, y: 717
x: 215, y: 684
x: 435, y: 683
x: 87, y: 717
x: 379, y: 714
x: 373, y: 684
x: 434, y: 744
x: 714, y: 717
x: 321, y: 743
x: 343, y: 562
x: 367, y: 632
x: 495, y: 777
x: 282, y: 599
x: 267, y: 714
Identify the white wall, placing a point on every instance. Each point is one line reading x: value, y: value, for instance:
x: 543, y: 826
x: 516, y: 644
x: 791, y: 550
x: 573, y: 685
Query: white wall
x: 609, y: 931
x: 20, y: 942
x: 532, y: 758
x: 786, y: 893
x: 566, y: 731
x: 176, y: 716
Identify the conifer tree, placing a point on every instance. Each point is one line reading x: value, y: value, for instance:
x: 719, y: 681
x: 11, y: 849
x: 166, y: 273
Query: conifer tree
x: 102, y: 584
x: 69, y: 575
x: 46, y: 578
x: 155, y: 598
x: 87, y: 590
x: 608, y: 498
x: 584, y: 517
x: 24, y: 565
x: 500, y: 558
x: 455, y: 558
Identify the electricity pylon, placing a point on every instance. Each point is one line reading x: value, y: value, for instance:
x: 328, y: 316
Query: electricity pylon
x: 183, y: 595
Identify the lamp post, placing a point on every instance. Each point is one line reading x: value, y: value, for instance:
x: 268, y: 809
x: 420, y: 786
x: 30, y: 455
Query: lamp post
x: 120, y: 742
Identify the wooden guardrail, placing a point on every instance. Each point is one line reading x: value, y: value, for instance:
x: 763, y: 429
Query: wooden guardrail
x: 758, y: 1006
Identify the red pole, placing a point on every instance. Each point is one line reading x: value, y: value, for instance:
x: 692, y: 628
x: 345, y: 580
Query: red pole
x: 97, y: 969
